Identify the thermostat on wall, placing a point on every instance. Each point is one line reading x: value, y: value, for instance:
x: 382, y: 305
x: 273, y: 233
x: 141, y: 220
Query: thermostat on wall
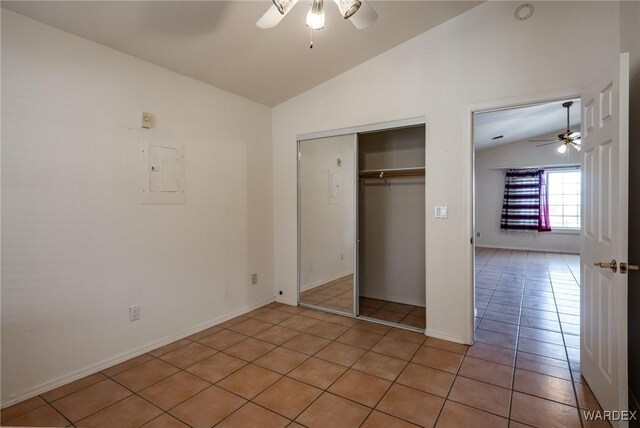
x: 146, y: 120
x: 441, y: 212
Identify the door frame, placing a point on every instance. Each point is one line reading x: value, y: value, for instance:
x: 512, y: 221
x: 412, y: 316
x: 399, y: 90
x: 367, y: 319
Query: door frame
x: 470, y: 173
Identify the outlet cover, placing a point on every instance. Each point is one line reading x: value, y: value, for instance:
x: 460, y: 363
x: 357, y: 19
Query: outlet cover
x: 254, y: 279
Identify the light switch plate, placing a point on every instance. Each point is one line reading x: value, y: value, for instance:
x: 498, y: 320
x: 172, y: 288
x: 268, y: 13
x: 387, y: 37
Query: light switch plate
x: 441, y: 212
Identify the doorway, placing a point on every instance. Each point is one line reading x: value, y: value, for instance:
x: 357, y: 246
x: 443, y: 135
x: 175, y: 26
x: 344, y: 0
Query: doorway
x: 527, y: 236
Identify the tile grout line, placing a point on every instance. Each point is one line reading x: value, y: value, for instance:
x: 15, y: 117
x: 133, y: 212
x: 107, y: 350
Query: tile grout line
x: 573, y: 385
x: 517, y: 350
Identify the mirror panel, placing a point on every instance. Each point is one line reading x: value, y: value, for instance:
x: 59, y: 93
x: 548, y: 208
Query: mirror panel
x: 326, y: 223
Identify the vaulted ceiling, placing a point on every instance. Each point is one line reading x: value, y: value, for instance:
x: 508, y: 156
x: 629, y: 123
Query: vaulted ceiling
x: 217, y: 42
x: 523, y: 123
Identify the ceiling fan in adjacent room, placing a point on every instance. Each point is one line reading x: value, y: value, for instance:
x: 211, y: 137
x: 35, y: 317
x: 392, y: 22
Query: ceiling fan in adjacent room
x: 567, y: 138
x: 359, y: 12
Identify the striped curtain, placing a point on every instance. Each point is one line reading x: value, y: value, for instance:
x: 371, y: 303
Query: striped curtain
x: 525, y: 204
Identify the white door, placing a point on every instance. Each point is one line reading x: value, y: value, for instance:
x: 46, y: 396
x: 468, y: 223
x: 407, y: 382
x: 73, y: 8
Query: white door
x: 605, y: 166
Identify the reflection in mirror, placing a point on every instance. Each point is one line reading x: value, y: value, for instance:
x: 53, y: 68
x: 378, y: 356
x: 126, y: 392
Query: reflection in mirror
x: 327, y: 222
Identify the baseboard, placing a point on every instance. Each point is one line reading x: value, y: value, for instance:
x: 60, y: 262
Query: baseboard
x: 519, y: 248
x: 444, y: 336
x: 286, y: 301
x: 324, y: 281
x: 79, y: 374
x: 380, y: 296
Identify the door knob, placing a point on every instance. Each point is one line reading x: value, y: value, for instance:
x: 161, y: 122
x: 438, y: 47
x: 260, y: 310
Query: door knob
x: 613, y: 265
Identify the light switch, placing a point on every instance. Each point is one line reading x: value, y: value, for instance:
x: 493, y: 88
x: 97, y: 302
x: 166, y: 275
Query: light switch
x: 441, y: 212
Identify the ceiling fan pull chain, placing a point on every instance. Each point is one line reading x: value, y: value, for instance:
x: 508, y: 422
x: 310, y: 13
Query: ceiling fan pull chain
x: 311, y: 38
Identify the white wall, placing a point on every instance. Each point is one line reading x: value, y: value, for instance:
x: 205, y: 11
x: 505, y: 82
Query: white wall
x: 391, y: 216
x: 78, y: 248
x: 326, y: 227
x: 481, y: 55
x: 490, y: 191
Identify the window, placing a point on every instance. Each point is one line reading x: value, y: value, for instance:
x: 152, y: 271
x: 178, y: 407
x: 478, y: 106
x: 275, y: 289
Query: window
x: 564, y: 199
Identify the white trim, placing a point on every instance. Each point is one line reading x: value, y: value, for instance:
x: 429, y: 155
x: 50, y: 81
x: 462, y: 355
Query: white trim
x: 468, y: 209
x: 104, y: 364
x: 516, y: 247
x: 439, y: 335
x: 394, y: 299
x: 382, y: 126
x: 325, y: 281
x: 286, y: 301
x: 565, y: 231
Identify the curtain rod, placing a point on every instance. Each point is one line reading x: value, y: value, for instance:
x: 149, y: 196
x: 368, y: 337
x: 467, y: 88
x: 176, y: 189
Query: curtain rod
x: 545, y: 167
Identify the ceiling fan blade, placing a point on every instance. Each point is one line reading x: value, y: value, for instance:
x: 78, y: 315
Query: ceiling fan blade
x: 574, y: 135
x: 364, y: 17
x: 272, y: 16
x: 547, y: 144
x: 544, y: 141
x: 270, y: 19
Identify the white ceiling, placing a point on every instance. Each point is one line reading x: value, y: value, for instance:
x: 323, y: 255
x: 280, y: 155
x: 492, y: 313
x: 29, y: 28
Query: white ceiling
x: 523, y: 123
x: 217, y: 42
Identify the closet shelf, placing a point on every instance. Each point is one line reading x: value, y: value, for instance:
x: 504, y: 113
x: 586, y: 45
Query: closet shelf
x: 394, y: 172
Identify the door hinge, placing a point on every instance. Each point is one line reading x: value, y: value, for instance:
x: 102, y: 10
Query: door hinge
x: 471, y: 240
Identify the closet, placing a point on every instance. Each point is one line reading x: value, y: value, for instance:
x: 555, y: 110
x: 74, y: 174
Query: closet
x: 391, y: 226
x: 361, y: 224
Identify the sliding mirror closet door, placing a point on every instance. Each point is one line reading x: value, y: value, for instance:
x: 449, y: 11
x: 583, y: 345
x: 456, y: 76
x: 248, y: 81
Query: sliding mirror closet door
x: 391, y: 226
x: 326, y: 184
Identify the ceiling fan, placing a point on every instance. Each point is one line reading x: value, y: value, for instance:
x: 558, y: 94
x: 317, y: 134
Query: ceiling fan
x: 359, y: 12
x: 567, y: 138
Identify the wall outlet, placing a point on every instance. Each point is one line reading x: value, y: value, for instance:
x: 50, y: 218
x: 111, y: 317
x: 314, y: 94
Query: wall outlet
x: 341, y: 256
x: 134, y: 313
x: 254, y: 279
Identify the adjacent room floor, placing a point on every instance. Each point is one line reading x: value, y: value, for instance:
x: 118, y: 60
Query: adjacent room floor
x: 280, y: 364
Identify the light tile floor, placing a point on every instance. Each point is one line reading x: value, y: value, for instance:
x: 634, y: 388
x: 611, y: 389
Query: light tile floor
x: 287, y: 366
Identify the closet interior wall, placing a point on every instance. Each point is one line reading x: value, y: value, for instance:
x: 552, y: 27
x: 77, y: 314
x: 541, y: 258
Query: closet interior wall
x: 391, y: 221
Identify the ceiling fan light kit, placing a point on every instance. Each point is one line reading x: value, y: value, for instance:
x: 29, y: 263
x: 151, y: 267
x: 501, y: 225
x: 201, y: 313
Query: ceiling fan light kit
x: 315, y: 19
x: 315, y: 16
x: 567, y: 138
x: 283, y: 5
x: 348, y: 7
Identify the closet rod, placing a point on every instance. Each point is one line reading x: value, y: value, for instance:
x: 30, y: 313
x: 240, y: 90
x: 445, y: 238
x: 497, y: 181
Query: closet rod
x: 388, y: 173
